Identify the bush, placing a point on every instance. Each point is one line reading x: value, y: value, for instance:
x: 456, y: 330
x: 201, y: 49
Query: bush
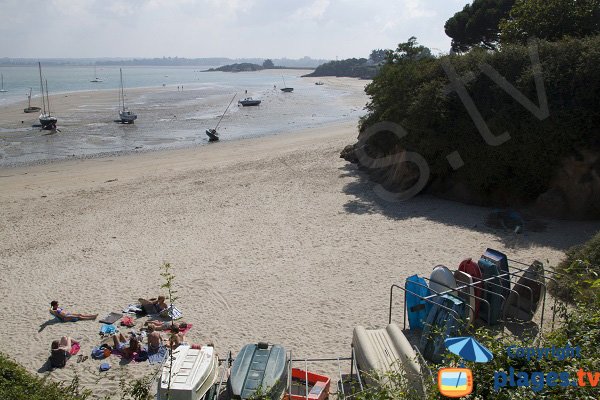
x: 413, y: 93
x: 18, y: 384
x: 579, y: 274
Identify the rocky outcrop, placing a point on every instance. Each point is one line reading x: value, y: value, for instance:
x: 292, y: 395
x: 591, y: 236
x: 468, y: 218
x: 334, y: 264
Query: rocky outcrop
x: 574, y: 192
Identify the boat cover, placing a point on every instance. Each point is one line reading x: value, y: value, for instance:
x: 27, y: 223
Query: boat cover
x: 384, y: 350
x: 258, y: 366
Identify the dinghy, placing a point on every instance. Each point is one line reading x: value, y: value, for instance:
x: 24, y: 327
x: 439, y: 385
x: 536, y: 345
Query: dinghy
x: 470, y: 267
x: 441, y: 280
x: 416, y: 307
x: 308, y: 386
x: 530, y: 290
x: 445, y: 319
x: 258, y: 368
x: 501, y: 262
x: 384, y: 350
x: 467, y: 293
x: 493, y: 292
x: 192, y: 374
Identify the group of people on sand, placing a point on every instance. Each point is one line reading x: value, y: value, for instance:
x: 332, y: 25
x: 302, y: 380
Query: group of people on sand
x: 128, y: 347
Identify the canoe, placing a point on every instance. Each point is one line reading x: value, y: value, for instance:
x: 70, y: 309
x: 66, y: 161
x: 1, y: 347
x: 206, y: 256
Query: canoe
x: 416, y: 307
x: 493, y: 292
x: 501, y: 262
x: 258, y: 368
x: 193, y: 373
x: 530, y: 290
x: 470, y: 267
x: 466, y: 294
x: 386, y: 350
x: 317, y: 388
x: 441, y: 324
x: 441, y: 280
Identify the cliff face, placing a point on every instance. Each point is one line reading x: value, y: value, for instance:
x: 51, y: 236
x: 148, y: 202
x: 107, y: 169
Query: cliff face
x: 573, y: 193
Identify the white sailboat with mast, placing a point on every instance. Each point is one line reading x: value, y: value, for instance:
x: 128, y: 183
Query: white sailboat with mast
x: 96, y: 79
x: 126, y: 116
x: 2, y: 90
x: 286, y: 89
x: 47, y: 121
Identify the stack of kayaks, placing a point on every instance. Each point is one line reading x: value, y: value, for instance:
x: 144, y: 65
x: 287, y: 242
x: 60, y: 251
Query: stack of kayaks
x: 449, y: 301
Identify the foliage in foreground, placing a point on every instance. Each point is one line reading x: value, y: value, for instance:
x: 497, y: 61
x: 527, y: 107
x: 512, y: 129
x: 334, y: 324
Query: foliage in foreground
x: 579, y: 274
x: 18, y: 384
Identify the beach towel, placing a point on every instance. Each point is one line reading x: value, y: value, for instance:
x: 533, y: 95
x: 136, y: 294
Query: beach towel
x: 158, y: 356
x: 171, y: 312
x: 75, y: 347
x: 106, y: 329
x: 182, y: 331
x: 127, y: 321
x: 133, y: 309
x: 111, y: 318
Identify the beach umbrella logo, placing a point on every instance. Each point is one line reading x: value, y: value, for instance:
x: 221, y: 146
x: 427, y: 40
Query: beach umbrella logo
x: 468, y: 349
x: 458, y: 382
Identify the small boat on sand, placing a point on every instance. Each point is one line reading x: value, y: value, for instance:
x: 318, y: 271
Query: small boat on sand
x: 125, y: 116
x: 308, y: 386
x: 47, y: 121
x: 193, y: 372
x: 249, y: 101
x: 213, y: 135
x: 2, y: 90
x: 29, y: 108
x: 286, y: 89
x: 261, y: 368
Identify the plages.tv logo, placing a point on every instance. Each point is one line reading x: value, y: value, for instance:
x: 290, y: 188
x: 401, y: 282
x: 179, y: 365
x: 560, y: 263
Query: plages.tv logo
x: 458, y: 382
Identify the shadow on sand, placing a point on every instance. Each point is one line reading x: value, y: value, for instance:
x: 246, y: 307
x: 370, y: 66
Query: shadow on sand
x: 557, y: 234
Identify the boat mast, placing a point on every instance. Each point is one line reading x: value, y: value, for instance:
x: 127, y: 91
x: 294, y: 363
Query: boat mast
x: 2, y: 88
x: 29, y: 98
x: 220, y: 119
x: 47, y: 97
x: 122, y: 97
x: 42, y: 87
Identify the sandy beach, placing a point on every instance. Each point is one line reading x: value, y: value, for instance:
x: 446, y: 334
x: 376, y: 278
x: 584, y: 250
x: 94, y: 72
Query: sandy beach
x: 271, y: 239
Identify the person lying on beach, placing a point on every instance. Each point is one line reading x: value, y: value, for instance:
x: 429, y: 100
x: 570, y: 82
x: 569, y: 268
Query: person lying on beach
x: 60, y: 351
x: 127, y: 348
x: 154, y: 340
x: 64, y: 316
x: 153, y: 306
x: 166, y: 325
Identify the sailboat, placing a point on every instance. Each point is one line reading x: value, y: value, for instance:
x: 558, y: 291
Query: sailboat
x: 286, y: 89
x: 96, y: 79
x: 212, y: 134
x: 30, y: 109
x: 2, y: 90
x: 126, y: 116
x: 48, y: 121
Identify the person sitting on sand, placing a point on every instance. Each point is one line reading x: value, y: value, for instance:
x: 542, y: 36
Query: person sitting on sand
x: 176, y: 338
x: 166, y: 325
x: 154, y: 340
x: 121, y: 345
x: 64, y: 316
x: 60, y: 351
x: 154, y: 306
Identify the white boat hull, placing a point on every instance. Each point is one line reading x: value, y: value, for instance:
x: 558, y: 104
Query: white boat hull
x: 193, y: 373
x: 127, y: 117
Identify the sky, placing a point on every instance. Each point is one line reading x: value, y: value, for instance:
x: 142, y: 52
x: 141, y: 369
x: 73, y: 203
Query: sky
x: 323, y: 29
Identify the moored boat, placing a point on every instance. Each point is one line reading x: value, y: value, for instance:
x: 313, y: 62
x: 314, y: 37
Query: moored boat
x: 125, y: 116
x: 189, y: 375
x: 258, y: 368
x: 249, y: 101
x: 29, y: 108
x: 47, y: 121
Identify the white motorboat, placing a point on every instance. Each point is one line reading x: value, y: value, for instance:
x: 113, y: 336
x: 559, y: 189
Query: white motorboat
x: 193, y: 372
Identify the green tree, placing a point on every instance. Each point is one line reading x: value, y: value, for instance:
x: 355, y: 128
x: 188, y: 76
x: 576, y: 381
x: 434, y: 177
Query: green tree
x: 378, y: 55
x: 408, y: 51
x: 477, y: 24
x: 551, y: 20
x: 268, y: 64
